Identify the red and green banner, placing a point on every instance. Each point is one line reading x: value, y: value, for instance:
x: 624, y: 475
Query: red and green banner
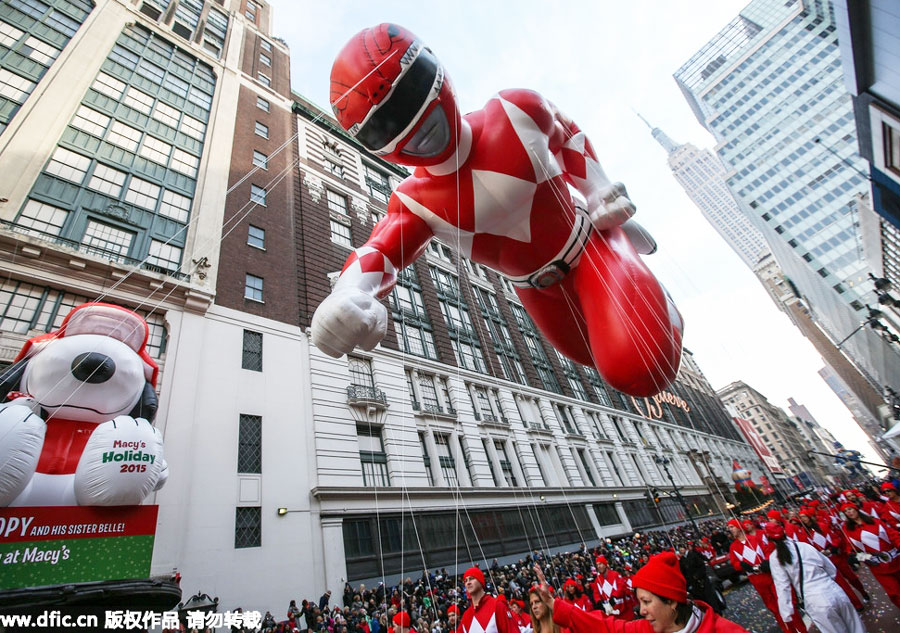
x: 67, y: 544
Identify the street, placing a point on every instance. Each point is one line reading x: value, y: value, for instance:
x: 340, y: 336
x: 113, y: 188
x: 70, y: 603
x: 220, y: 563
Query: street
x: 746, y: 608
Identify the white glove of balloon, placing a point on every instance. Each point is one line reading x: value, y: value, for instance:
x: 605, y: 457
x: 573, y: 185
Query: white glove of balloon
x: 347, y: 319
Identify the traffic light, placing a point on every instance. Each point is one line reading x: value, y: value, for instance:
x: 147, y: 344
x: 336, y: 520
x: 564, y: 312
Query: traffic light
x: 654, y: 493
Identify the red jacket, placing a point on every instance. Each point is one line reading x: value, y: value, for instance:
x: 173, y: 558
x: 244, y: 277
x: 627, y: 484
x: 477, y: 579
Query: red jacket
x: 750, y: 551
x: 608, y: 585
x: 582, y: 602
x: 493, y: 617
x: 879, y: 540
x: 578, y: 621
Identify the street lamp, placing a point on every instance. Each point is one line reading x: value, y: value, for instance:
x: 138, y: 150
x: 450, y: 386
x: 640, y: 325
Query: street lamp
x: 664, y: 462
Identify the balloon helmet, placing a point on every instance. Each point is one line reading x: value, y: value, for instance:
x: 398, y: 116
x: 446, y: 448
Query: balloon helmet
x: 391, y: 94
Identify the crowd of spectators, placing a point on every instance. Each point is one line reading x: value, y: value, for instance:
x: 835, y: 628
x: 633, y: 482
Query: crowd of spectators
x: 371, y: 609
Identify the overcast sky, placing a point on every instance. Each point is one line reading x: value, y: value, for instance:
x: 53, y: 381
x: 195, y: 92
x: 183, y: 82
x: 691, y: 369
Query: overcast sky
x: 597, y: 60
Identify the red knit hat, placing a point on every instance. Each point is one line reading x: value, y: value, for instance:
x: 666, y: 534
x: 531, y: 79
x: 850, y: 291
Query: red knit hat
x: 477, y: 574
x: 570, y: 583
x: 775, y: 531
x: 601, y: 560
x: 452, y: 609
x: 847, y: 504
x: 402, y: 619
x: 662, y: 576
x: 888, y: 486
x: 774, y: 514
x: 748, y: 525
x: 735, y: 523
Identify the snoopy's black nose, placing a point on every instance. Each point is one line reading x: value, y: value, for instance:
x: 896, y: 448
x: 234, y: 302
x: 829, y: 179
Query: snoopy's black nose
x: 93, y: 367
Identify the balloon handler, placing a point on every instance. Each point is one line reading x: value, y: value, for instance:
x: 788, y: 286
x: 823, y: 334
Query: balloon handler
x: 515, y: 186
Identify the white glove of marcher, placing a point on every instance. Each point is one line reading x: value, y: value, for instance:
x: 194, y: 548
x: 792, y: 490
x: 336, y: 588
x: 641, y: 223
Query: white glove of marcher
x: 347, y: 319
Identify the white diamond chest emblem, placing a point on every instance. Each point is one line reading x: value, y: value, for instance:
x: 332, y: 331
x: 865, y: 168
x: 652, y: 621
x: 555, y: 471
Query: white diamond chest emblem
x: 502, y: 204
x: 749, y: 554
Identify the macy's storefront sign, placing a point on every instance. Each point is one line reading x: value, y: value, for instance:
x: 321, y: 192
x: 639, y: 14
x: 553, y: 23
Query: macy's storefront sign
x: 652, y: 407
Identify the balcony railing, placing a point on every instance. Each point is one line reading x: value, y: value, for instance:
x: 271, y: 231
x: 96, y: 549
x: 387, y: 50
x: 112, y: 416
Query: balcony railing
x: 93, y: 250
x: 434, y: 410
x: 362, y: 395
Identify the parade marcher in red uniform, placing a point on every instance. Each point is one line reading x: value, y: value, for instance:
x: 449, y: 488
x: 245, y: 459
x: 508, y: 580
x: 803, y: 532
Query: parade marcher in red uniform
x: 863, y: 503
x: 486, y: 614
x: 608, y: 588
x: 517, y: 608
x: 572, y: 593
x: 891, y: 514
x: 665, y: 608
x: 747, y: 554
x: 706, y: 548
x: 833, y: 545
x: 629, y: 602
x: 877, y: 544
x: 452, y: 618
x: 402, y: 623
x: 515, y: 186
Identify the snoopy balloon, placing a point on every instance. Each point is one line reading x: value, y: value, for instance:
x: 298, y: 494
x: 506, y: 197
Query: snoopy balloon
x: 76, y: 428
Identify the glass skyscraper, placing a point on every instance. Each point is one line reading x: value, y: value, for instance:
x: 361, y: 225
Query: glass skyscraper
x: 770, y: 88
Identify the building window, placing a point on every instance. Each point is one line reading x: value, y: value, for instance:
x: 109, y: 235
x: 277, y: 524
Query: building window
x: 340, y: 233
x: 250, y: 444
x: 27, y: 58
x: 175, y: 206
x: 500, y: 335
x: 258, y: 195
x: 445, y: 457
x: 336, y: 202
x: 427, y: 459
x: 42, y: 218
x: 256, y: 237
x: 265, y: 45
x: 166, y: 256
x: 463, y: 339
x: 251, y: 356
x: 261, y: 130
x: 505, y: 464
x: 564, y: 414
x: 494, y: 475
x: 361, y: 372
x: 107, y: 180
x: 413, y: 327
x: 253, y: 288
x: 262, y: 104
x: 103, y: 239
x: 891, y: 148
x: 247, y: 527
x: 481, y: 404
x: 265, y: 60
x: 264, y: 79
x: 535, y: 348
x: 334, y: 168
x: 372, y: 456
x: 378, y: 183
x: 586, y: 466
x: 260, y: 159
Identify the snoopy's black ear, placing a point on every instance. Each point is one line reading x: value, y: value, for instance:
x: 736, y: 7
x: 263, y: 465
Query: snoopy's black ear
x: 147, y: 404
x: 11, y: 377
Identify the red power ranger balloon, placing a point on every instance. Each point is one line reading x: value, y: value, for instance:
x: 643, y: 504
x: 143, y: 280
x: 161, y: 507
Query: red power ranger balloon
x: 515, y: 186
